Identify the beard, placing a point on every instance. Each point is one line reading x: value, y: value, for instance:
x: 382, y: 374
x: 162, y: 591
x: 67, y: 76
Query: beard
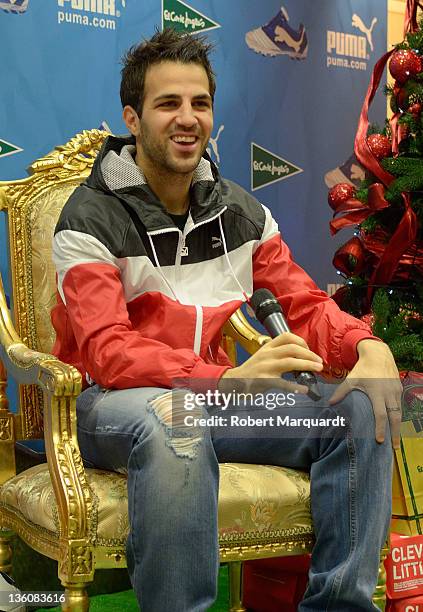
x: 160, y: 157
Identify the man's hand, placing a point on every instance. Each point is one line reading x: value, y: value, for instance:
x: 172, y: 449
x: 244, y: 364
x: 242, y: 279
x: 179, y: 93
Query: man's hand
x: 376, y: 374
x: 285, y: 353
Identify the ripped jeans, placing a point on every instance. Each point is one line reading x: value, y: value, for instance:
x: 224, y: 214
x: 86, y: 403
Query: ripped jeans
x: 173, y: 481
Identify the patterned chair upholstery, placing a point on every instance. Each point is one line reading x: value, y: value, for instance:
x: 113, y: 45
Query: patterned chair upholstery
x: 75, y: 515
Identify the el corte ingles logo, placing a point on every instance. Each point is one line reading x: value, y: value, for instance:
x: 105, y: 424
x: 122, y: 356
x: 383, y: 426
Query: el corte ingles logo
x: 6, y: 148
x: 267, y: 168
x: 183, y: 18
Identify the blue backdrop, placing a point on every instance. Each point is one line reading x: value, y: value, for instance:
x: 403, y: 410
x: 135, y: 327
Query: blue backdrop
x: 290, y: 88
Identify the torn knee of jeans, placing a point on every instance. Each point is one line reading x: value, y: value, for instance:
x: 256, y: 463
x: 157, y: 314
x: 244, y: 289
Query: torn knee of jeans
x: 169, y: 408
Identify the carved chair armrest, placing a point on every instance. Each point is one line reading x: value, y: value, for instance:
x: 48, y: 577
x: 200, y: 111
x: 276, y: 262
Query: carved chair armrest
x: 61, y: 384
x: 32, y: 367
x: 238, y: 328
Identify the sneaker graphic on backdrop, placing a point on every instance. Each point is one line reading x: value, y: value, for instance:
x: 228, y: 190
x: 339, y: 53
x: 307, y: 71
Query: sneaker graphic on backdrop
x: 350, y: 172
x: 278, y: 38
x: 14, y: 6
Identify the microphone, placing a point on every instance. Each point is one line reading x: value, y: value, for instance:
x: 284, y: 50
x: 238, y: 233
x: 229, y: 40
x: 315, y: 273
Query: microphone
x: 269, y: 312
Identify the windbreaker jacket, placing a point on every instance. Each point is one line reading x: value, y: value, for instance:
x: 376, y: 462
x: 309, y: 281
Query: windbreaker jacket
x: 141, y: 303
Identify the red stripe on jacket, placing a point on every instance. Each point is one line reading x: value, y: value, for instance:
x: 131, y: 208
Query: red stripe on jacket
x: 145, y: 343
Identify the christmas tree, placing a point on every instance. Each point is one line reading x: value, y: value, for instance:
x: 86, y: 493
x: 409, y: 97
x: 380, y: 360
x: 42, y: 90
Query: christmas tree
x: 383, y: 262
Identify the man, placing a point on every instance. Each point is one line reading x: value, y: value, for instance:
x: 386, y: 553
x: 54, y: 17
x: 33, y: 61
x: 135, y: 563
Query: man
x: 154, y: 252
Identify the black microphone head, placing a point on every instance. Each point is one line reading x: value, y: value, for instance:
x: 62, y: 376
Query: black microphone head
x: 264, y: 303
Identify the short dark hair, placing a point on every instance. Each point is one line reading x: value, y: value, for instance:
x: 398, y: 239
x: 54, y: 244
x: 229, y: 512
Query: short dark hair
x: 168, y: 45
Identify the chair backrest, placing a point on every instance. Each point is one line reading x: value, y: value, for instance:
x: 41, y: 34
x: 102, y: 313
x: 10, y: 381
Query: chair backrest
x: 33, y: 206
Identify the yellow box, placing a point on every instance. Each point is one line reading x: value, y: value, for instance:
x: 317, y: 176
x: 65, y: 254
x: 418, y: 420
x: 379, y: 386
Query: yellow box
x: 407, y: 491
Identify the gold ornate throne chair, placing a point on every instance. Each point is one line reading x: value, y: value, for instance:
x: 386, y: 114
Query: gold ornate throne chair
x: 75, y: 515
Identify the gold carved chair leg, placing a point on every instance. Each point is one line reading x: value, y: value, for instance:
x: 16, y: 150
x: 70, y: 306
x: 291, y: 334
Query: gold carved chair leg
x: 76, y: 572
x: 5, y: 551
x: 379, y: 598
x: 76, y: 598
x: 235, y: 587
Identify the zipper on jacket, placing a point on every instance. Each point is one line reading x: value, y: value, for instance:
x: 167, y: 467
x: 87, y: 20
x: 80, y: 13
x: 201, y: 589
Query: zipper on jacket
x: 179, y: 252
x: 205, y: 221
x: 198, y: 335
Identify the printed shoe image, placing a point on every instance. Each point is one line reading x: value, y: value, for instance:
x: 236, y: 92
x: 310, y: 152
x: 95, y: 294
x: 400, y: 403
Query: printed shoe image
x: 278, y: 38
x: 8, y: 591
x: 14, y: 6
x: 350, y: 172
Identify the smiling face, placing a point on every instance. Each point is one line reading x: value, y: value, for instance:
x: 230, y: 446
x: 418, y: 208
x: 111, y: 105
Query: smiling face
x: 177, y: 118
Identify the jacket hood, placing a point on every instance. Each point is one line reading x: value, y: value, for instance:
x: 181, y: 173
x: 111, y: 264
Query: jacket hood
x: 206, y: 190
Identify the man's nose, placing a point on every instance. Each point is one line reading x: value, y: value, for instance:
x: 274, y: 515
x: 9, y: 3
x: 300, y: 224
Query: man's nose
x: 186, y: 116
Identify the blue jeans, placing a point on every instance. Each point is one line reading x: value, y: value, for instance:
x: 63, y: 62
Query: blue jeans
x: 173, y: 481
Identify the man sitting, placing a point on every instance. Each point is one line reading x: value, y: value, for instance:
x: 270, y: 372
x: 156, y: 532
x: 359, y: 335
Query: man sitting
x: 154, y: 252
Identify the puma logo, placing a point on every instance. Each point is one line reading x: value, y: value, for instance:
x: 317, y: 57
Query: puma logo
x: 216, y: 242
x: 214, y: 146
x: 357, y: 22
x: 281, y: 35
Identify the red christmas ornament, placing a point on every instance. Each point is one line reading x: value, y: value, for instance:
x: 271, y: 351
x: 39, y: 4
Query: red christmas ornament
x: 339, y: 194
x: 404, y: 64
x: 350, y: 257
x: 415, y: 109
x: 379, y: 145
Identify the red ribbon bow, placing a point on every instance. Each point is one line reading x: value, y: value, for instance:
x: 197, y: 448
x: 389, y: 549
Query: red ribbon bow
x: 402, y: 239
x: 357, y: 211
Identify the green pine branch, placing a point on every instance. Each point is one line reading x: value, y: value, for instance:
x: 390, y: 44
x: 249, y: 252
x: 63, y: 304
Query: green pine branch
x: 403, y: 166
x: 394, y: 320
x: 415, y: 40
x: 408, y: 352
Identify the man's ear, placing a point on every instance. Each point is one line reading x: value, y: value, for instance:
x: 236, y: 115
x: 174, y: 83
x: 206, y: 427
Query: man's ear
x: 131, y: 120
